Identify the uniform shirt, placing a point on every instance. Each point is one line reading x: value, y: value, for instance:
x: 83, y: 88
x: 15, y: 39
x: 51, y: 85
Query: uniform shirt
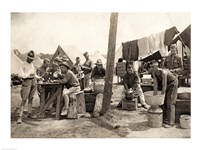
x: 88, y: 64
x: 174, y: 62
x: 28, y: 70
x: 70, y: 80
x: 41, y: 71
x: 98, y: 73
x: 131, y: 80
x: 76, y: 68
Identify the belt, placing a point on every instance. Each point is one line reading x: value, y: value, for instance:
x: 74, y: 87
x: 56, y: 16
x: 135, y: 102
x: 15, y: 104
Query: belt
x: 28, y: 78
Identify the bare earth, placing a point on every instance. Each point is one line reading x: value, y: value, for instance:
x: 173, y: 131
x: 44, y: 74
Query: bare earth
x: 133, y: 124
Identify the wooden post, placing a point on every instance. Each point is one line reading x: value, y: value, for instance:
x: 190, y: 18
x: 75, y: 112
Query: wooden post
x: 110, y: 63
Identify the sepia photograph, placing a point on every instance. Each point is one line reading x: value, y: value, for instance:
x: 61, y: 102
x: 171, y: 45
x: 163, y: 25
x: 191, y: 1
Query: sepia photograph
x: 100, y: 75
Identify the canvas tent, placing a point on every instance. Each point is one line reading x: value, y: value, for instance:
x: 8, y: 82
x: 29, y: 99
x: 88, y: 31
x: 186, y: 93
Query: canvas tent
x: 70, y: 51
x: 97, y: 55
x: 61, y: 52
x: 184, y: 37
x: 16, y: 64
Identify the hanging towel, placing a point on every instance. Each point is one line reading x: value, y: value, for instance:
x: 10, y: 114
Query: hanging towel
x: 169, y: 35
x: 144, y: 47
x: 159, y: 43
x: 130, y: 50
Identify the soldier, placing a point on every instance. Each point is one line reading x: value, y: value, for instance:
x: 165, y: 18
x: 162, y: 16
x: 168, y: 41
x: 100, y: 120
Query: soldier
x: 29, y: 87
x: 173, y: 62
x: 87, y: 69
x: 169, y: 88
x: 71, y: 84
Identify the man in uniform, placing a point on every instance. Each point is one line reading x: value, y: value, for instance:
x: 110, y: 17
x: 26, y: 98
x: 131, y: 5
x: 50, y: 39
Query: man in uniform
x: 29, y: 87
x: 87, y: 69
x: 71, y: 84
x: 131, y: 80
x: 173, y: 62
x: 169, y: 88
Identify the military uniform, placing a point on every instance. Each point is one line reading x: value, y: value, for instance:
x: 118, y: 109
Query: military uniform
x: 174, y: 64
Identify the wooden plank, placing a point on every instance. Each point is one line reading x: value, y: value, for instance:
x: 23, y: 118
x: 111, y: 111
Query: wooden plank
x: 58, y: 105
x: 49, y: 101
x: 98, y: 105
x: 72, y: 112
x: 110, y: 63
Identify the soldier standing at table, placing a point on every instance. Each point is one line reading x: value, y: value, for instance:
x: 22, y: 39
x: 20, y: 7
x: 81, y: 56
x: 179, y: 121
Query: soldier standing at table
x: 29, y: 87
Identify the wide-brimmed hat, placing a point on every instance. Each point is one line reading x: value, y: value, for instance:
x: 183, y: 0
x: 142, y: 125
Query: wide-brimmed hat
x: 31, y: 55
x: 64, y: 58
x: 65, y: 64
x: 58, y: 59
x: 99, y: 62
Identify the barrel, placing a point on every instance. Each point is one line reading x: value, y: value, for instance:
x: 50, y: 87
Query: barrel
x: 155, y: 117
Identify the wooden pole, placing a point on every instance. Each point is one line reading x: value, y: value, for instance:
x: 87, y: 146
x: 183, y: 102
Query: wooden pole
x: 110, y: 63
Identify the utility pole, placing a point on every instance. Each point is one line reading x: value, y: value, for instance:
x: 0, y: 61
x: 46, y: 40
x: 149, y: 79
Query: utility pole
x: 110, y: 63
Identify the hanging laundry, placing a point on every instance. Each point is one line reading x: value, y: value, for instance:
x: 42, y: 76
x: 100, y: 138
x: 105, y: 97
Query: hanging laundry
x: 144, y: 47
x: 159, y: 43
x: 169, y: 35
x: 130, y: 50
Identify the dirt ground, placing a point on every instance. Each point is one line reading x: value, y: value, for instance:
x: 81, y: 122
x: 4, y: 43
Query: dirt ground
x: 133, y: 124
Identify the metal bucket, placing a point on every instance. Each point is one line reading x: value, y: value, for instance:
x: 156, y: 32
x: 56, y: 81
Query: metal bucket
x: 155, y: 117
x: 185, y: 121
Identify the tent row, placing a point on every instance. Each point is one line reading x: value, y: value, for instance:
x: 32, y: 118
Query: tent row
x: 71, y: 52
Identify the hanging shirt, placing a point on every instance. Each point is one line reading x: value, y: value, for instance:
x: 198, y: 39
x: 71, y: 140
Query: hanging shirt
x: 144, y: 47
x: 169, y: 35
x: 130, y: 50
x: 159, y: 43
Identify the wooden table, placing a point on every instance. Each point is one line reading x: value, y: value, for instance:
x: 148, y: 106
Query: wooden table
x: 57, y: 95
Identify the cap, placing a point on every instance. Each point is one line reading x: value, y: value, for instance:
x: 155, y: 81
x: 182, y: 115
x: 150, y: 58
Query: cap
x: 86, y: 53
x: 58, y: 59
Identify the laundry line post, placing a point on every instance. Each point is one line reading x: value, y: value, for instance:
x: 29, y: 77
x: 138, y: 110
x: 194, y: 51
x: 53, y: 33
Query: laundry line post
x: 110, y: 63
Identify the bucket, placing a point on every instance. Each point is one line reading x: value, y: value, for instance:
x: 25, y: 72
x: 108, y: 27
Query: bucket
x: 185, y: 121
x: 155, y: 117
x: 154, y: 100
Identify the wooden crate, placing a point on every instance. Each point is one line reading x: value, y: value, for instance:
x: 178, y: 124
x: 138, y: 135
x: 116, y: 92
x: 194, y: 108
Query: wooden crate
x: 90, y: 99
x: 182, y: 107
x: 129, y: 105
x: 121, y: 68
x: 80, y: 102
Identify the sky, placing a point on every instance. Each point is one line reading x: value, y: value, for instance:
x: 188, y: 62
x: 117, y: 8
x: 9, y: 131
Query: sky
x: 43, y: 32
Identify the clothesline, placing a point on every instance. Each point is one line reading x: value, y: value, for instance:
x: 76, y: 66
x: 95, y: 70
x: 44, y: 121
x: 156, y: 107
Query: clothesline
x: 141, y: 48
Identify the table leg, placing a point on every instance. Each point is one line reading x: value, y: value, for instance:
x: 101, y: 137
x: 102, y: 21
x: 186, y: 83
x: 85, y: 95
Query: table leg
x: 59, y: 97
x: 42, y: 101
